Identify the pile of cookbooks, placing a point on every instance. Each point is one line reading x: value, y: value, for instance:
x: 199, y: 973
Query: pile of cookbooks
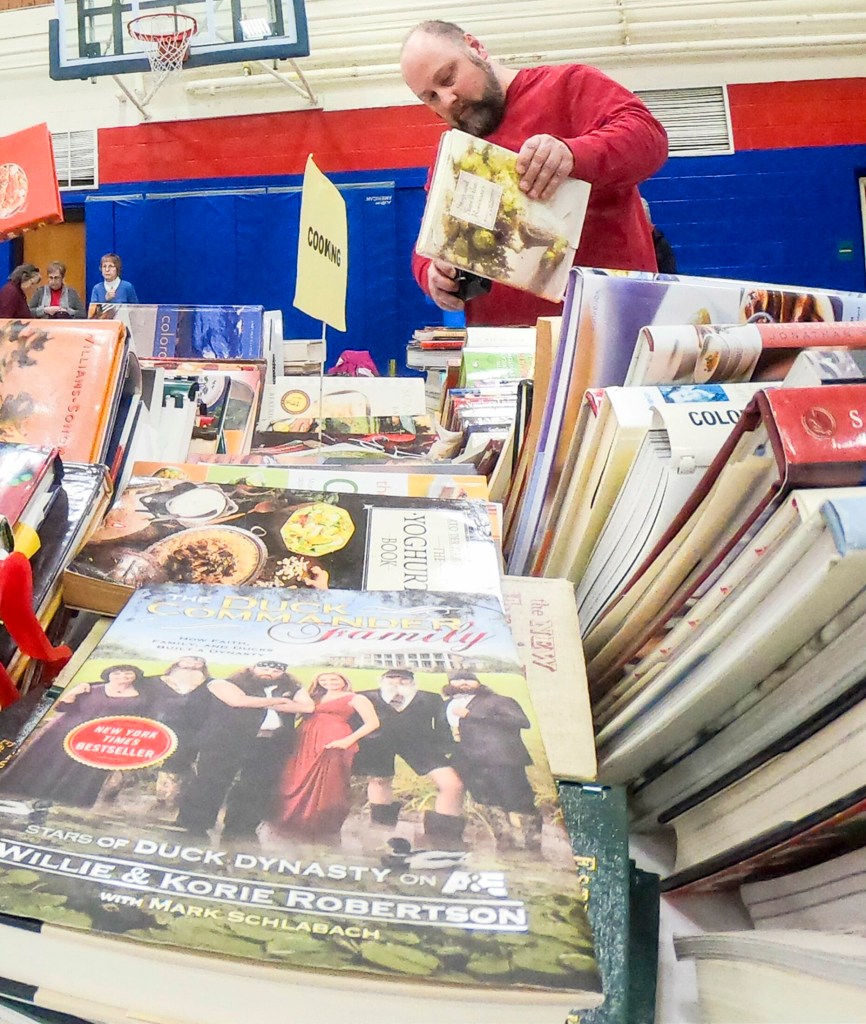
x: 311, y: 744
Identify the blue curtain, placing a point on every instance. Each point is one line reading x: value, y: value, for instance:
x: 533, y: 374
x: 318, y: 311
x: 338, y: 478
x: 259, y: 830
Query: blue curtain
x: 242, y: 248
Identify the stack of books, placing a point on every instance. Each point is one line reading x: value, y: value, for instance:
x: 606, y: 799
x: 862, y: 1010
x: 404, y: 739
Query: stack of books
x: 611, y: 324
x: 433, y: 348
x: 336, y: 727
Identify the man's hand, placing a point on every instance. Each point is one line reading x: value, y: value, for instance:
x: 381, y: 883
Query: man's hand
x: 442, y: 286
x: 544, y: 162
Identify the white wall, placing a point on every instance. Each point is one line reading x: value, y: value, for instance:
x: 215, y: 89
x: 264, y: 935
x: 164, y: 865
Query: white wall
x: 353, y: 63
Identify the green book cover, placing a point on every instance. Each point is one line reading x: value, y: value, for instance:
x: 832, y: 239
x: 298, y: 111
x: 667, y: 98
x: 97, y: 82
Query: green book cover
x: 597, y: 821
x: 643, y: 957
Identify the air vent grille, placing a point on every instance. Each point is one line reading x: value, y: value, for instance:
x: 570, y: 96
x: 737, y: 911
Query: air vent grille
x: 698, y: 121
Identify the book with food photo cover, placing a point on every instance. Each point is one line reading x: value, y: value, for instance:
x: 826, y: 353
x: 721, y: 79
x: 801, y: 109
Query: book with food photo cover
x: 296, y: 402
x: 332, y: 457
x: 59, y: 384
x: 699, y: 353
x: 408, y: 427
x: 188, y: 332
x: 360, y: 480
x: 339, y: 796
x: 364, y: 447
x: 477, y: 218
x: 184, y: 532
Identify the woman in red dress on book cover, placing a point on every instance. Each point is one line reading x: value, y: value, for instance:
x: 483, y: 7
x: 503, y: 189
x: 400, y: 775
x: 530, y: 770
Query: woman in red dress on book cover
x: 314, y: 793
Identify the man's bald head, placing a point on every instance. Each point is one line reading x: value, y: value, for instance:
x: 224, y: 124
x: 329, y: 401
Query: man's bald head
x: 449, y: 70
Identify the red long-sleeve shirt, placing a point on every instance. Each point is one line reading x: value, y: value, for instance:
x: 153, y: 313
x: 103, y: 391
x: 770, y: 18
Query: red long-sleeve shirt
x: 616, y: 143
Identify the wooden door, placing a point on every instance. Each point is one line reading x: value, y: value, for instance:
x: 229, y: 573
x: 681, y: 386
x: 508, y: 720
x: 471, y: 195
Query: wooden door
x: 63, y: 242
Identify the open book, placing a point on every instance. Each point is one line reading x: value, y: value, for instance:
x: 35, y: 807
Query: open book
x: 477, y: 218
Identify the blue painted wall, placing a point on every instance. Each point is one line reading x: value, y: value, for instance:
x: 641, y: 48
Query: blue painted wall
x: 783, y: 216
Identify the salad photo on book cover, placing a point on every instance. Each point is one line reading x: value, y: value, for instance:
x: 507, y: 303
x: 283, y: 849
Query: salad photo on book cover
x: 477, y: 218
x: 341, y: 781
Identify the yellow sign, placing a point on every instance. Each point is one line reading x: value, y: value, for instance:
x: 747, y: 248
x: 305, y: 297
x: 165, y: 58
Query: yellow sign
x: 323, y: 253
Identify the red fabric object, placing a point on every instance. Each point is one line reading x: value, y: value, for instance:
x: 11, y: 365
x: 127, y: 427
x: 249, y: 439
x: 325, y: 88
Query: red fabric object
x: 16, y: 610
x: 616, y: 143
x: 315, y: 786
x: 13, y: 302
x: 353, y: 363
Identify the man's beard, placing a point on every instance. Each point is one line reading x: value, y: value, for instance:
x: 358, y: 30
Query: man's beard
x: 484, y: 115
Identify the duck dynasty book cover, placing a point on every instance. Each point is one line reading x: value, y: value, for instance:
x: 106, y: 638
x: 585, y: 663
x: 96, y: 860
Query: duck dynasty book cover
x: 328, y: 780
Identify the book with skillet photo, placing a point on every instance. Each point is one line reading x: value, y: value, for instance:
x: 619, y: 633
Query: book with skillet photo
x: 247, y: 799
x: 476, y: 218
x: 178, y: 531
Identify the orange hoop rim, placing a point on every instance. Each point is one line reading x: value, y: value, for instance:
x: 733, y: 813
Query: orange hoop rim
x: 178, y: 35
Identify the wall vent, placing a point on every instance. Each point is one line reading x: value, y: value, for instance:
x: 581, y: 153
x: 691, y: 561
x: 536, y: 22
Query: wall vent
x: 75, y: 158
x: 698, y: 121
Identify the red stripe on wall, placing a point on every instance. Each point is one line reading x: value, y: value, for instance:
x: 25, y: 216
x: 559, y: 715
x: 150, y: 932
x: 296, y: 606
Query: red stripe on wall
x: 269, y: 144
x: 780, y: 115
x: 774, y: 115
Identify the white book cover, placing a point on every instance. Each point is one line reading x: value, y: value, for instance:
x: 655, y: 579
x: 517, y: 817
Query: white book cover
x: 295, y: 401
x: 477, y: 218
x: 681, y: 443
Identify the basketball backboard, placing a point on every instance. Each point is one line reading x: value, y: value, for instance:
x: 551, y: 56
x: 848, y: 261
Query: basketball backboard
x: 90, y: 37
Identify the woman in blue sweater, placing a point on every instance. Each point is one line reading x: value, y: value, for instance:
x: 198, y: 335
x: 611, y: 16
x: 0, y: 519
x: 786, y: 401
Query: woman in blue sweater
x: 111, y: 288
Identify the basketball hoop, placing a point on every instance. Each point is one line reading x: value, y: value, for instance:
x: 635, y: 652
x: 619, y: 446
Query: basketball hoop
x: 166, y: 38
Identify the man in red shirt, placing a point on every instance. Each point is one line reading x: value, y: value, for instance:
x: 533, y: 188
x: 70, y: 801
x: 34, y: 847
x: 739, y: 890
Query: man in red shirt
x: 563, y: 121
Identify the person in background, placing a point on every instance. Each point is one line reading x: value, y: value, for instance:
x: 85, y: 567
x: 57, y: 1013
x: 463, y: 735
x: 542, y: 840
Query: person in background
x: 565, y: 121
x: 665, y: 257
x: 112, y: 288
x: 13, y: 300
x: 57, y: 299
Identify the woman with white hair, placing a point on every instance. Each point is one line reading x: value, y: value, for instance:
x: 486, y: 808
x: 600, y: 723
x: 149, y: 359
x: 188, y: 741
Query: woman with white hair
x: 56, y: 299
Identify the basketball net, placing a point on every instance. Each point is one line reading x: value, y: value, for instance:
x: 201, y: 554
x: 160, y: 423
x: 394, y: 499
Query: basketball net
x: 165, y: 38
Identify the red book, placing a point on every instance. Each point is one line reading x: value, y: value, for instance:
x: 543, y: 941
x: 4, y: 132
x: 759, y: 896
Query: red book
x: 28, y: 481
x: 29, y: 195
